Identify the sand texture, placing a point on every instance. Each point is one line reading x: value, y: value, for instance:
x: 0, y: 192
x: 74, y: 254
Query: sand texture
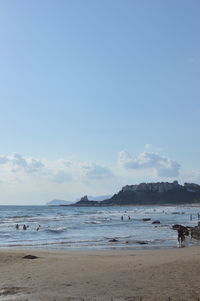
x: 100, y: 275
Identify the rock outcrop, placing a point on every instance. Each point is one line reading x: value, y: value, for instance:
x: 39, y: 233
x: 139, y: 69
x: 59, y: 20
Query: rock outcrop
x: 195, y: 232
x: 84, y: 202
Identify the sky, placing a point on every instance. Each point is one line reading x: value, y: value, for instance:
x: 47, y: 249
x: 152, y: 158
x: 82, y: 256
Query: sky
x: 95, y: 95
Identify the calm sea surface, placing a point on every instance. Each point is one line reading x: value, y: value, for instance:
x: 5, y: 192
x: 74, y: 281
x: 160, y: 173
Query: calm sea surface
x: 92, y: 228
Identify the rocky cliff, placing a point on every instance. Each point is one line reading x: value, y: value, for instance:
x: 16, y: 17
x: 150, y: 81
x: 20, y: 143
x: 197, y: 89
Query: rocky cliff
x: 161, y: 193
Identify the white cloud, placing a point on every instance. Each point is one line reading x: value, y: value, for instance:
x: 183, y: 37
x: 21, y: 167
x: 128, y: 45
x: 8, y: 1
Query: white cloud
x: 61, y: 177
x: 16, y: 162
x: 163, y: 166
x: 67, y: 163
x: 148, y: 146
x: 3, y: 159
x: 95, y: 171
x: 34, y: 165
x: 32, y: 180
x: 59, y: 171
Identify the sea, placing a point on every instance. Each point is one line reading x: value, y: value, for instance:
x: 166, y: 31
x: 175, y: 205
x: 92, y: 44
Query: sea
x: 93, y: 228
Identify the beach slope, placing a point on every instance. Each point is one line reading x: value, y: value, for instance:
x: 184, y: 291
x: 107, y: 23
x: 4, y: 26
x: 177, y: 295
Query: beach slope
x: 100, y: 275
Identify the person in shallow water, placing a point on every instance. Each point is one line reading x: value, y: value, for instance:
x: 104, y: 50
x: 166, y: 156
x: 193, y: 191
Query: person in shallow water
x: 181, y: 236
x: 24, y: 227
x: 17, y: 226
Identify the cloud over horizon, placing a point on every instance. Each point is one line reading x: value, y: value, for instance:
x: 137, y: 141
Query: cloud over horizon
x: 32, y: 178
x: 38, y: 180
x: 95, y: 171
x: 163, y: 166
x: 17, y: 162
x: 58, y: 171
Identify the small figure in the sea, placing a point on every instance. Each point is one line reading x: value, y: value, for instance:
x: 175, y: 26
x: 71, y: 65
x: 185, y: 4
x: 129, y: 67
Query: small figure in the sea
x: 181, y: 236
x: 191, y: 217
x: 17, y: 226
x: 38, y: 228
x: 129, y: 217
x: 122, y: 218
x: 24, y: 227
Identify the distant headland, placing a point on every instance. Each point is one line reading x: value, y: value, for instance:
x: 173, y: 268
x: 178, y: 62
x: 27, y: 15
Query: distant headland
x: 161, y: 193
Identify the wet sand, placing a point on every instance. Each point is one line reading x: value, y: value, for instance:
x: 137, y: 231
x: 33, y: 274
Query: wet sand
x: 100, y: 275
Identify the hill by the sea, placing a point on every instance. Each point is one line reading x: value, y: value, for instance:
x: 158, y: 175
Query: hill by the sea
x: 58, y: 203
x: 161, y: 193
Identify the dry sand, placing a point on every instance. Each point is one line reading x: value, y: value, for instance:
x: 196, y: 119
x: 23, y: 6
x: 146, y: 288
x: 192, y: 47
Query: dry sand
x: 100, y: 275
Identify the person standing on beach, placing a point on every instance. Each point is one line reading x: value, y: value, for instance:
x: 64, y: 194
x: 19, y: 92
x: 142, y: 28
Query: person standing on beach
x: 181, y: 235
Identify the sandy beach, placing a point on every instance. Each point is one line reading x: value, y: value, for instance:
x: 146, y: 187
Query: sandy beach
x: 100, y: 275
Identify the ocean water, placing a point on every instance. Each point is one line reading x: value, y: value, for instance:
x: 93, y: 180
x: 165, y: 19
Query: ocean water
x: 92, y: 228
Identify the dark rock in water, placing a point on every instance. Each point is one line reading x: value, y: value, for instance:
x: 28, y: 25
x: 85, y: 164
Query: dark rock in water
x: 141, y: 242
x: 156, y: 222
x: 113, y: 240
x: 30, y: 257
x: 195, y: 232
x: 146, y: 219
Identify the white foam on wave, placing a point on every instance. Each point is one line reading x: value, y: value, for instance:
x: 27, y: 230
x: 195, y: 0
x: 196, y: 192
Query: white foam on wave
x: 56, y: 230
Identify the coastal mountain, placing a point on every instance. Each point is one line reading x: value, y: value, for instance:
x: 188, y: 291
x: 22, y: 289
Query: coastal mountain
x: 161, y: 193
x: 58, y: 203
x: 99, y: 198
x: 96, y: 198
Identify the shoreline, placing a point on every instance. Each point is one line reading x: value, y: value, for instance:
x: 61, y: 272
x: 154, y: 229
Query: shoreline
x: 94, y: 229
x: 100, y: 275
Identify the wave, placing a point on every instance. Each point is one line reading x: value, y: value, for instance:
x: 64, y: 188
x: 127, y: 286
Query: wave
x: 21, y: 216
x: 118, y: 237
x: 58, y: 243
x: 56, y: 230
x: 92, y: 222
x: 5, y: 235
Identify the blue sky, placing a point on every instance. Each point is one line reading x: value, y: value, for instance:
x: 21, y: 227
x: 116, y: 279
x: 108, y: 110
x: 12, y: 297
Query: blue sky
x: 83, y: 81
